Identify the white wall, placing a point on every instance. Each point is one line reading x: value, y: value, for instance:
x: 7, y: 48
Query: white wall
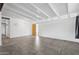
x: 63, y: 29
x: 19, y: 27
x: 0, y: 30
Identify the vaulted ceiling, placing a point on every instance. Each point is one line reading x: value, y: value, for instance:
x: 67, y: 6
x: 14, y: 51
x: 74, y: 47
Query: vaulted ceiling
x: 39, y: 12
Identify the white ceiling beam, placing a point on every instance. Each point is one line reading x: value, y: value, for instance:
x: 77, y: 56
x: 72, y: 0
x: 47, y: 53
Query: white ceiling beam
x: 24, y: 8
x: 56, y: 18
x: 15, y: 16
x: 61, y: 17
x: 71, y: 14
x: 21, y: 13
x: 39, y: 9
x: 53, y: 9
x: 68, y: 10
x: 17, y: 13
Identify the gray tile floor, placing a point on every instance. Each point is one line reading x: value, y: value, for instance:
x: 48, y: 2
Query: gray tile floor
x: 48, y: 46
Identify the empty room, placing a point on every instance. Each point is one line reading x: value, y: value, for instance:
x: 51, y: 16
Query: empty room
x: 39, y: 29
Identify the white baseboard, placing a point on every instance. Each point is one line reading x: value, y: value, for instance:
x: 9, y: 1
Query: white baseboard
x: 20, y: 36
x: 73, y: 40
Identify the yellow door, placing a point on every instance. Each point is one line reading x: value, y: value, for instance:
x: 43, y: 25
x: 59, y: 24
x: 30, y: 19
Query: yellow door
x: 33, y: 29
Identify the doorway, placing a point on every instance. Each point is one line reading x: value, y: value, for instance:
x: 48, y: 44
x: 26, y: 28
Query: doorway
x: 5, y: 27
x: 34, y: 30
